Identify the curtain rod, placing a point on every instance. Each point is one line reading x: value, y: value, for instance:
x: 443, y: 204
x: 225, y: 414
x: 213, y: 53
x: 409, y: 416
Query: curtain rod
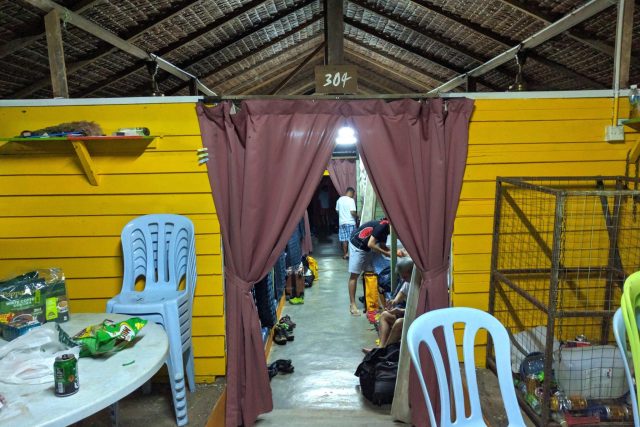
x: 216, y: 99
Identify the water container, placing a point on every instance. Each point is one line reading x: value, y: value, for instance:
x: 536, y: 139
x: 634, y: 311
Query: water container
x: 595, y: 372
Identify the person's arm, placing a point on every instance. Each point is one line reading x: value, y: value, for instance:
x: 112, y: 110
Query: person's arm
x: 375, y: 245
x: 354, y: 214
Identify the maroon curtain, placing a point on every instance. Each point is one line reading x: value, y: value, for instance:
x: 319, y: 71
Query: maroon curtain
x: 265, y: 163
x: 343, y: 174
x: 415, y: 154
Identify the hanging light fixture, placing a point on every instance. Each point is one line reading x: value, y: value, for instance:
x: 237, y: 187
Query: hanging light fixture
x: 152, y: 68
x: 520, y: 85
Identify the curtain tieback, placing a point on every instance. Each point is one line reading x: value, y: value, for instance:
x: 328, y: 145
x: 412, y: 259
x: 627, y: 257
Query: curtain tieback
x: 234, y: 280
x: 435, y: 272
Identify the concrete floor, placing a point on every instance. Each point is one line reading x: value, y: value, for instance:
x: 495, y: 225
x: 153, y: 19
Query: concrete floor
x: 326, y: 351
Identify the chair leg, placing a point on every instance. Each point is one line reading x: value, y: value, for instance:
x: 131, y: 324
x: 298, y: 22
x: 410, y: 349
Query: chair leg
x: 114, y: 414
x: 191, y: 378
x: 179, y: 396
x: 176, y: 365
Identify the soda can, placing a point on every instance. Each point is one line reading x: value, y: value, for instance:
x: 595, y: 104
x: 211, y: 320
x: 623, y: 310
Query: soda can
x: 532, y: 383
x: 578, y: 403
x: 65, y: 371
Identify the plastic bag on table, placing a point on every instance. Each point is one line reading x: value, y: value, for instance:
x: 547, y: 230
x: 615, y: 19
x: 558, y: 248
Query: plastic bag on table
x: 29, y: 358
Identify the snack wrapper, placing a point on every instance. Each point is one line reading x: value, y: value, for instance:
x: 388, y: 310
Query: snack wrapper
x: 108, y: 336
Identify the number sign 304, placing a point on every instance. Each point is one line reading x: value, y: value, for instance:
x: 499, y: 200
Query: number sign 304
x: 339, y: 79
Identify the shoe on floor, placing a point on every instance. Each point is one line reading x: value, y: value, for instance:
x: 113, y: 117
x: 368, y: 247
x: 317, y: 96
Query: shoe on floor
x: 278, y: 336
x: 284, y: 330
x: 287, y: 321
x: 296, y: 300
x: 354, y: 310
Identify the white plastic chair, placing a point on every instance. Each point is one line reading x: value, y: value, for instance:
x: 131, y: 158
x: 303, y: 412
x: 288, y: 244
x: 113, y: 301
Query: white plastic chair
x: 421, y: 330
x: 161, y: 249
x: 620, y: 332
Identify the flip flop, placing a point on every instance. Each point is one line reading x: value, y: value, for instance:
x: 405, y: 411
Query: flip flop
x: 354, y: 310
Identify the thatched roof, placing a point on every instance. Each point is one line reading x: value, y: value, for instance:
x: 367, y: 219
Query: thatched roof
x: 248, y: 47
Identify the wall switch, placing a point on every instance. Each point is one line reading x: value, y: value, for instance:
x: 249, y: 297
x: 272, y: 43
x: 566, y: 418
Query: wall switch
x: 614, y: 133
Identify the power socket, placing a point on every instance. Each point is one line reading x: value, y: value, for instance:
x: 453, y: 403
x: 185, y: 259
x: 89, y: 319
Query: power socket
x: 614, y: 133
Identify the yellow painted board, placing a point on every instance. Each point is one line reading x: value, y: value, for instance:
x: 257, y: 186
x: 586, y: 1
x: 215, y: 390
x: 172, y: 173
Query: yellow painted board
x: 476, y: 208
x: 489, y: 172
x: 132, y: 204
x: 107, y: 287
x: 202, y: 306
x: 79, y: 268
x: 570, y: 105
x: 468, y: 226
x: 208, y: 326
x: 111, y: 184
x: 70, y: 247
x: 90, y: 226
x: 208, y: 346
x: 481, y: 336
x: 64, y: 164
x: 550, y: 114
x: 210, y: 365
x: 537, y: 131
x: 476, y: 244
x: 472, y: 263
x: 161, y: 119
x: 166, y: 143
x: 471, y: 300
x: 479, y: 354
x: 508, y: 155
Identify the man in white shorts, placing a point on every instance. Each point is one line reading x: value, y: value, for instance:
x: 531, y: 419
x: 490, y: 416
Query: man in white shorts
x: 347, y: 215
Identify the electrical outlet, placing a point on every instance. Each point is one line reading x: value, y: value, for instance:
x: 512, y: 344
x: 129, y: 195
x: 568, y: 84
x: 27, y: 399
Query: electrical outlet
x: 614, y: 133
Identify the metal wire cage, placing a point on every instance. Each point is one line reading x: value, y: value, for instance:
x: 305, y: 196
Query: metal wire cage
x: 562, y: 248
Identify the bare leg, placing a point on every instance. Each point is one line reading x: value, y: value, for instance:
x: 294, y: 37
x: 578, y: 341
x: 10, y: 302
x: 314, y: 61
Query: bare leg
x: 396, y: 332
x: 353, y: 280
x: 386, y: 322
x: 345, y: 250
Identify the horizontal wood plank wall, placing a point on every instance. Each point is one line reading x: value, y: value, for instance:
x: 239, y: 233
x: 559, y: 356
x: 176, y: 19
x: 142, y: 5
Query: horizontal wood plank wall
x: 523, y: 137
x: 51, y: 216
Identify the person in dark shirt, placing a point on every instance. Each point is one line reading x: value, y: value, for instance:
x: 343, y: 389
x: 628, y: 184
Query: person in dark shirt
x: 370, y: 238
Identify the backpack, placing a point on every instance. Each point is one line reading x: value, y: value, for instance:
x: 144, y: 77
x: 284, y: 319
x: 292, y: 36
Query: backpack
x: 378, y: 372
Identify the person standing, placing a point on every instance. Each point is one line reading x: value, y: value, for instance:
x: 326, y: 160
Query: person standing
x: 323, y: 198
x: 347, y: 216
x: 370, y: 238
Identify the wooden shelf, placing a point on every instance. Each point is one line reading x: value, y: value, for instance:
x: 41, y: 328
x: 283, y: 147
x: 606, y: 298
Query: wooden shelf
x: 78, y: 142
x: 632, y: 123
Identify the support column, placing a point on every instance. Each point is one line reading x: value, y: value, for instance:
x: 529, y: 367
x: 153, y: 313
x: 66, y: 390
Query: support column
x: 333, y: 32
x: 56, y: 54
x: 624, y: 40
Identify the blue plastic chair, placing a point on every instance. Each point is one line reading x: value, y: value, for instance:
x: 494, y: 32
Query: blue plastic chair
x: 421, y: 331
x: 620, y: 332
x: 161, y: 249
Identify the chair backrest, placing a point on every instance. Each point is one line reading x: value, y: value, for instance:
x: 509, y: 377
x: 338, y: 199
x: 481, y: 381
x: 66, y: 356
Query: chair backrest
x: 620, y: 332
x: 160, y: 248
x: 629, y: 304
x: 422, y: 331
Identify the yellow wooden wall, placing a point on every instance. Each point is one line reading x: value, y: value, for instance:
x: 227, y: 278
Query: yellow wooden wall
x: 50, y: 216
x: 534, y: 137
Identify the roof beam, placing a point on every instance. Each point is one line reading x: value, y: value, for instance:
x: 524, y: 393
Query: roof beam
x: 315, y: 18
x: 131, y: 36
x: 418, y: 52
x: 212, y: 51
x: 99, y: 32
x: 414, y: 85
x: 581, y: 14
x: 624, y: 41
x: 333, y: 32
x: 296, y: 70
x: 20, y: 43
x: 370, y: 77
x: 191, y: 37
x: 274, y: 75
x: 505, y: 41
x: 55, y: 49
x: 579, y: 36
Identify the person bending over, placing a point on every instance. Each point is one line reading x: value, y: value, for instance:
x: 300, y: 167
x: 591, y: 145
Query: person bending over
x: 347, y: 216
x: 368, y: 239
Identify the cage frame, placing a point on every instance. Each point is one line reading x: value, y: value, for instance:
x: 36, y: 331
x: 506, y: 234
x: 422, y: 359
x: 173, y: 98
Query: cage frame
x: 498, y: 277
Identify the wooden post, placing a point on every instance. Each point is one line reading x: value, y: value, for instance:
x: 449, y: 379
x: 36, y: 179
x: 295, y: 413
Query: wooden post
x: 56, y: 54
x: 333, y: 32
x: 625, y: 45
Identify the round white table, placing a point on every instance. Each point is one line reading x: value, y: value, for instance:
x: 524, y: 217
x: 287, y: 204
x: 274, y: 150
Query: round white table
x: 103, y: 380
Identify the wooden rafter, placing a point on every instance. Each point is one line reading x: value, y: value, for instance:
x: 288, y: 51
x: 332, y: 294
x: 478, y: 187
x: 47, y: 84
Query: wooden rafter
x: 333, y: 32
x: 414, y: 50
x: 505, y: 41
x: 383, y: 70
x: 296, y: 70
x: 626, y: 42
x: 131, y: 36
x: 315, y: 18
x: 373, y: 78
x: 580, y: 36
x: 23, y: 42
x: 55, y: 49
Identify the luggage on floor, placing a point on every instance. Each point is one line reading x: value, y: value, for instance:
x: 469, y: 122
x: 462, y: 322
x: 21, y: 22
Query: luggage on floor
x: 371, y: 294
x: 378, y: 372
x: 313, y: 266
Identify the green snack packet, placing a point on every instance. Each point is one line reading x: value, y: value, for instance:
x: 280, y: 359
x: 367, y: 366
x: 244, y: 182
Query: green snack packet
x: 108, y: 336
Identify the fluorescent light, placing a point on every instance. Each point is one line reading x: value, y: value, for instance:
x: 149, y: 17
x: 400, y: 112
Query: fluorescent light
x: 346, y: 135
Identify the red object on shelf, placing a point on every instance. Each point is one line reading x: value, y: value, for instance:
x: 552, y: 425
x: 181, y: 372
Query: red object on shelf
x: 578, y: 421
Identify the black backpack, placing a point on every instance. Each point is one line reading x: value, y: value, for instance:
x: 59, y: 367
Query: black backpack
x: 378, y: 372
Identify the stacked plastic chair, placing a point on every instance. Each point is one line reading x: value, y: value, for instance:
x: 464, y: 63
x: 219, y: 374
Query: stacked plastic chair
x: 629, y: 304
x: 619, y: 331
x: 161, y: 249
